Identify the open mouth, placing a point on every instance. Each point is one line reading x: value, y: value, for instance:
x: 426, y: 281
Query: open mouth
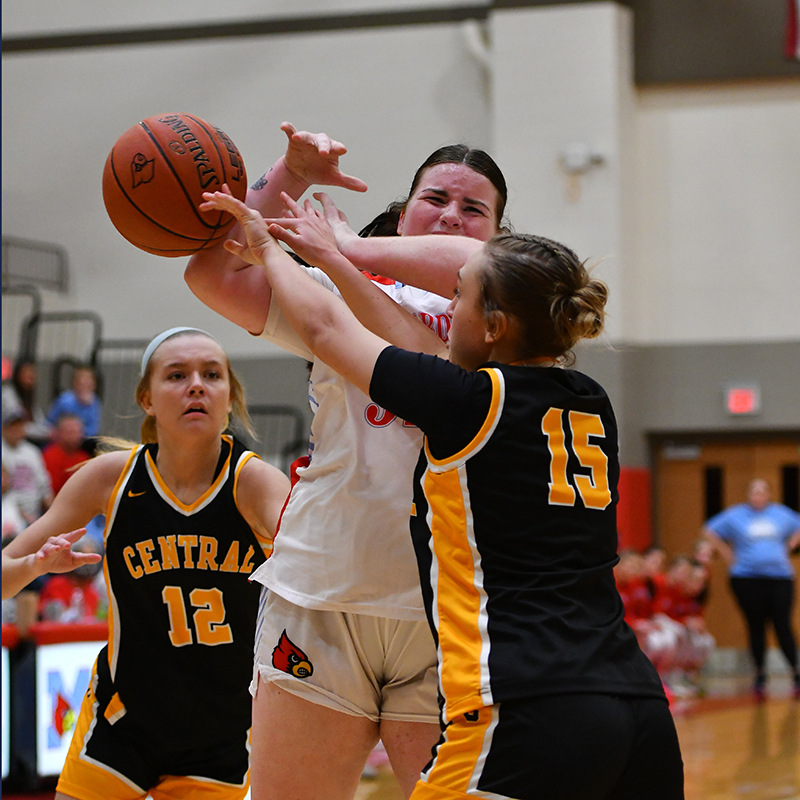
x: 195, y: 410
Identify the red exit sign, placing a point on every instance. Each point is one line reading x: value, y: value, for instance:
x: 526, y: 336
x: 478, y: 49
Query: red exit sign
x: 743, y: 399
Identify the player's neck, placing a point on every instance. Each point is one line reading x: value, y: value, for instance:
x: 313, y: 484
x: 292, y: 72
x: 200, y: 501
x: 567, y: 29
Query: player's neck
x: 188, y: 469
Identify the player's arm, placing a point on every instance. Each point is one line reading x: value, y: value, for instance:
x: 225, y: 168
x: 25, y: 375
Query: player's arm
x: 229, y: 285
x: 324, y: 323
x: 794, y: 541
x: 83, y: 496
x: 261, y: 492
x: 429, y: 262
x: 309, y: 234
x: 55, y: 555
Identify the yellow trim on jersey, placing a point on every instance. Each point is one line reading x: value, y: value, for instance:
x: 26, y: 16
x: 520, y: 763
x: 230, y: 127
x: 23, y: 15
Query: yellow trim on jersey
x: 459, y: 761
x: 266, y: 544
x: 111, y: 513
x: 485, y: 432
x: 204, y: 498
x: 115, y: 709
x: 83, y: 776
x: 459, y: 596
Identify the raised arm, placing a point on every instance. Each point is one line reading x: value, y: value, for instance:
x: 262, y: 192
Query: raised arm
x: 309, y: 234
x: 430, y: 262
x: 232, y: 287
x: 324, y: 323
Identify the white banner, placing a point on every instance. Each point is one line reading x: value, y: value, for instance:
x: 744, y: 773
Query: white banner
x: 62, y: 677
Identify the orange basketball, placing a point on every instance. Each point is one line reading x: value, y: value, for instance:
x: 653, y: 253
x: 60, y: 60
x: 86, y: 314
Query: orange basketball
x: 154, y: 179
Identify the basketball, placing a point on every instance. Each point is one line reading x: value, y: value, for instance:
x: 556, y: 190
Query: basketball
x: 154, y: 179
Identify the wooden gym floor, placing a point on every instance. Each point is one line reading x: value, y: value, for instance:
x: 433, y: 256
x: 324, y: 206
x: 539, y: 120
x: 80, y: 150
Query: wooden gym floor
x: 733, y: 748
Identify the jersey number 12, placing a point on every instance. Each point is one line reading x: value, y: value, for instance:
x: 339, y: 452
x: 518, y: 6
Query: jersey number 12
x: 208, y: 619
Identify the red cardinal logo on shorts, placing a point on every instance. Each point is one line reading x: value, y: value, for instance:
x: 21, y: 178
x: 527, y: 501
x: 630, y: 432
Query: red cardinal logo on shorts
x: 288, y: 657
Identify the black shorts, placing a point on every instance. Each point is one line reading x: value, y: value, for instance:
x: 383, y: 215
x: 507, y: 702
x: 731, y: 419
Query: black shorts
x: 112, y: 757
x: 564, y: 747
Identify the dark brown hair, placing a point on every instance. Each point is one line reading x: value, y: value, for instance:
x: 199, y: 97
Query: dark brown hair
x: 385, y: 224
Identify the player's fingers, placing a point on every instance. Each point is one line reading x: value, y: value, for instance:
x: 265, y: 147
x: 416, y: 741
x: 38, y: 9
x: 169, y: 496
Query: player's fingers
x: 322, y: 143
x: 288, y: 128
x: 352, y: 183
x: 291, y: 204
x: 87, y: 558
x: 232, y: 246
x: 337, y: 148
x: 73, y: 536
x: 282, y: 234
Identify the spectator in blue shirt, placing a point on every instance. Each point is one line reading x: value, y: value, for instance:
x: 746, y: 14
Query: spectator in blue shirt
x: 756, y: 539
x: 81, y: 401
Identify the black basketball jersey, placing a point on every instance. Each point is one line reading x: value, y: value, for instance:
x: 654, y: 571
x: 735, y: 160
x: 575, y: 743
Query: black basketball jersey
x: 182, y: 612
x: 514, y: 526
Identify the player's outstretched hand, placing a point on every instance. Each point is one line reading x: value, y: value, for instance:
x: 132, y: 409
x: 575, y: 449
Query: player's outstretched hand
x: 314, y: 159
x: 337, y: 220
x: 259, y: 241
x: 57, y: 555
x: 307, y: 231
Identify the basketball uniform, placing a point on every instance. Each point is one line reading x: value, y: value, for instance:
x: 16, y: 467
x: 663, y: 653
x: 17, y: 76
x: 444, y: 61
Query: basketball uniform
x: 514, y: 527
x: 344, y: 561
x: 169, y: 695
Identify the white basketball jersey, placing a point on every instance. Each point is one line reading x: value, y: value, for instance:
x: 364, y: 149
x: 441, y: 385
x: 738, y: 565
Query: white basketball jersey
x: 344, y: 542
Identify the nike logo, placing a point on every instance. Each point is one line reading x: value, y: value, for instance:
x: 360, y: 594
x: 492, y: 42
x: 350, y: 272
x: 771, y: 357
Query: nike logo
x: 135, y: 494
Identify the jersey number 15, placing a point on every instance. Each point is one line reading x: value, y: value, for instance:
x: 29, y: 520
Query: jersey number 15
x: 593, y: 488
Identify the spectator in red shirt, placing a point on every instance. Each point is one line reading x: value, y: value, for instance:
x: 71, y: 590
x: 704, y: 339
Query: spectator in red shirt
x: 65, y: 451
x: 658, y: 637
x: 73, y: 596
x: 678, y: 598
x: 632, y: 587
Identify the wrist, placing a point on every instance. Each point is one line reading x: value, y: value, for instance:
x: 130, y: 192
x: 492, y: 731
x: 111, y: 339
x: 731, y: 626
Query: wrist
x: 349, y: 244
x: 290, y: 181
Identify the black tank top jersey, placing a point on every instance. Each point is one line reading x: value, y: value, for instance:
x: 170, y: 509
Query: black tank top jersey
x: 182, y: 612
x: 514, y: 526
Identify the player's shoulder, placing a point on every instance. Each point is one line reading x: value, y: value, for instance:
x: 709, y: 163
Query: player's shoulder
x: 256, y: 472
x: 107, y: 466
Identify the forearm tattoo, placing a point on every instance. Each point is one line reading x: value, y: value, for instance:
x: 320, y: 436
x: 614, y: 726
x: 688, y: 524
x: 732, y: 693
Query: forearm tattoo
x: 261, y: 182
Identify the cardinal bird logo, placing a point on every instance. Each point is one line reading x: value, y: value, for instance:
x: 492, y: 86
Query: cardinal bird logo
x: 288, y: 657
x: 142, y: 169
x: 63, y: 715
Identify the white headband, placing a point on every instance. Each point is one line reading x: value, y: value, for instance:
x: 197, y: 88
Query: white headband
x: 162, y: 337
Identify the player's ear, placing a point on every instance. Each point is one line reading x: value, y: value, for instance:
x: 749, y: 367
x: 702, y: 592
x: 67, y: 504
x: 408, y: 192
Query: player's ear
x: 497, y: 323
x: 146, y: 403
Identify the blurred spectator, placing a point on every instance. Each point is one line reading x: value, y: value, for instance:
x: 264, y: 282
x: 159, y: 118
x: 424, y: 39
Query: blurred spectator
x: 658, y: 637
x: 81, y: 400
x: 65, y: 451
x: 655, y: 562
x: 677, y: 598
x: 13, y: 521
x: 19, y: 394
x: 30, y: 480
x: 755, y: 539
x: 74, y: 596
x: 96, y: 528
